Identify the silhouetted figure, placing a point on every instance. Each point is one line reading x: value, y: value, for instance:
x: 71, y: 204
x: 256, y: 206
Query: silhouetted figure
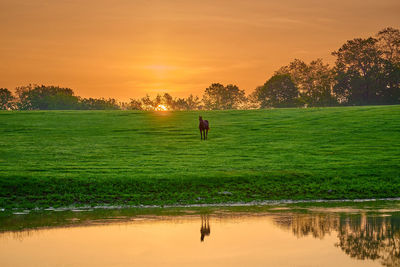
x: 205, y: 227
x: 204, y: 127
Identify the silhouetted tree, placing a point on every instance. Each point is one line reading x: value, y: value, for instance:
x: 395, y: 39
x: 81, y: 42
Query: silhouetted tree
x: 180, y: 104
x: 252, y: 100
x: 189, y: 103
x: 6, y: 99
x: 359, y: 72
x: 134, y: 104
x: 193, y: 102
x: 279, y: 91
x: 389, y: 44
x: 157, y: 101
x: 147, y: 103
x: 218, y: 96
x: 99, y: 104
x: 46, y: 98
x: 315, y: 81
x: 168, y: 101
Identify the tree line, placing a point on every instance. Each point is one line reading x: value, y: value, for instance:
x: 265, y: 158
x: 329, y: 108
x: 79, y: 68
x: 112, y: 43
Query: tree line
x: 366, y: 72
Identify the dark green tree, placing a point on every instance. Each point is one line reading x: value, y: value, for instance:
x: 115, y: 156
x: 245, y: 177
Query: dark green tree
x: 6, y: 99
x: 46, y: 98
x: 389, y: 44
x: 314, y: 80
x: 279, y: 91
x: 359, y: 72
x: 218, y: 96
x: 99, y: 104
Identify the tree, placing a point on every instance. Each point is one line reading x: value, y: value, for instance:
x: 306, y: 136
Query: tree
x: 193, y: 103
x: 46, y: 98
x: 315, y: 81
x: 99, y: 104
x: 359, y: 69
x: 6, y: 99
x: 279, y: 91
x: 189, y: 103
x: 134, y: 105
x: 147, y: 103
x: 157, y: 101
x: 253, y: 101
x: 168, y: 101
x: 389, y: 44
x: 180, y: 104
x: 218, y: 96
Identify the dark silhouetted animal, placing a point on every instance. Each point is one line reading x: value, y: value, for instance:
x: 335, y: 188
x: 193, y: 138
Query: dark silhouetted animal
x: 204, y: 127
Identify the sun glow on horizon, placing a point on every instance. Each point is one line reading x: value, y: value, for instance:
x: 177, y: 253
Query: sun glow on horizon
x: 161, y: 108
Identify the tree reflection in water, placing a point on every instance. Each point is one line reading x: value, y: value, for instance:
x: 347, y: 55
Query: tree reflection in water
x: 360, y: 236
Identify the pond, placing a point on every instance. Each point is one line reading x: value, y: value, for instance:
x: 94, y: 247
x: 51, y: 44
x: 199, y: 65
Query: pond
x: 308, y: 234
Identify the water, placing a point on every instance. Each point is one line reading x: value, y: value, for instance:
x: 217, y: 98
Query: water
x: 357, y: 234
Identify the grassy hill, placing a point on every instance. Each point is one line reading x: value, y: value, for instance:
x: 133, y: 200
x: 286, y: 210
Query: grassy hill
x: 53, y: 158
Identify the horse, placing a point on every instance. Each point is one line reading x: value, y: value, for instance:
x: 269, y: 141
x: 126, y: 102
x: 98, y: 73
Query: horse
x: 205, y: 227
x: 203, y: 127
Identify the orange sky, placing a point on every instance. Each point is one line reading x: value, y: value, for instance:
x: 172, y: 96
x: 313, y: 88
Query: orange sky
x: 127, y: 48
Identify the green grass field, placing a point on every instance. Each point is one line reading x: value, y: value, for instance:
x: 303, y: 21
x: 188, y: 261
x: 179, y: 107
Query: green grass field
x: 58, y: 158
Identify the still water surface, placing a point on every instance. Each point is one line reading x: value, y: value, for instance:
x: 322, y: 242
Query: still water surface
x: 364, y: 234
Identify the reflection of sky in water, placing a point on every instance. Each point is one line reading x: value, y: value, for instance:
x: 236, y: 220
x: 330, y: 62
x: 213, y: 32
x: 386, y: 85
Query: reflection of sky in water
x: 276, y: 238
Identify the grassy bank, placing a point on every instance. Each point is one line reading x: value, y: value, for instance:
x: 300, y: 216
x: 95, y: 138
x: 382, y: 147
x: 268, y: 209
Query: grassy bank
x: 57, y: 158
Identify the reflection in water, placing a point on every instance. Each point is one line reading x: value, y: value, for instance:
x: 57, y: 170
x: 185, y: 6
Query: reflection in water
x: 345, y: 237
x: 205, y: 226
x: 359, y: 236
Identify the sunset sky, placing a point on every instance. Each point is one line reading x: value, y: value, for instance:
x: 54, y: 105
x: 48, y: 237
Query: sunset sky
x: 127, y: 48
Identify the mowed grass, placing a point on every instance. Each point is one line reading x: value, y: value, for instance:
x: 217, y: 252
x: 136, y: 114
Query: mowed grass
x: 58, y: 158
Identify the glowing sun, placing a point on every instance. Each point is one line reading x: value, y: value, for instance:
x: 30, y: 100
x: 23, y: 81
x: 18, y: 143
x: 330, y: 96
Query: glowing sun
x: 161, y: 108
